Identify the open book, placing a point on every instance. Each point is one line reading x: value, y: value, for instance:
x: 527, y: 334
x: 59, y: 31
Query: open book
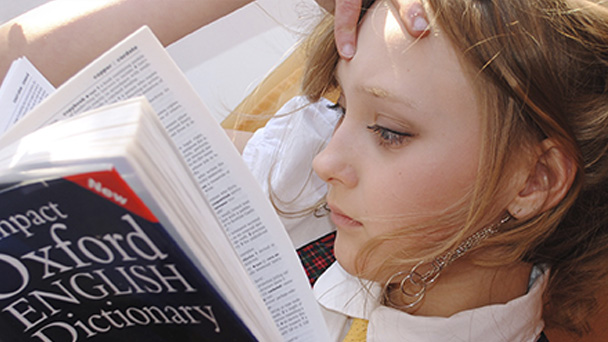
x: 198, y: 204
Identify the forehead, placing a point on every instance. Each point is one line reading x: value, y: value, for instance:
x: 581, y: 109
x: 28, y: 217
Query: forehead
x: 389, y: 58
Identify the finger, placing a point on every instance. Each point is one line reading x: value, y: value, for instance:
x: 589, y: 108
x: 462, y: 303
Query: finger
x: 346, y: 20
x: 415, y: 19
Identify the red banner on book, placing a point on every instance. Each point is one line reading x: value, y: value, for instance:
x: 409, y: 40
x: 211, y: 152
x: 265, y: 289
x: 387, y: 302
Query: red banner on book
x: 110, y: 185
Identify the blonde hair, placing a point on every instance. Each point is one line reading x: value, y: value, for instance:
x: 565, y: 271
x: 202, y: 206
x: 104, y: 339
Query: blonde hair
x: 541, y: 71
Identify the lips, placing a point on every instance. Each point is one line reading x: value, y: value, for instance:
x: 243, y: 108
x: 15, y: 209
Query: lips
x: 342, y: 220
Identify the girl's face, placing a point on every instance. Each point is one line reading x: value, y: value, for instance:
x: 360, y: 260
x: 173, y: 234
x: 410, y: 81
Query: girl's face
x: 408, y: 146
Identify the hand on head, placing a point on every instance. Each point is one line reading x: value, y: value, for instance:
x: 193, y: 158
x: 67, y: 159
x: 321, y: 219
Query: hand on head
x: 347, y: 12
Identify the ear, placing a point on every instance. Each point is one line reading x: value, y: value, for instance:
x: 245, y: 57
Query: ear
x: 547, y: 182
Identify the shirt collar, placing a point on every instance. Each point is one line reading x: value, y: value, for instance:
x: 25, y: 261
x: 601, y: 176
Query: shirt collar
x: 518, y: 320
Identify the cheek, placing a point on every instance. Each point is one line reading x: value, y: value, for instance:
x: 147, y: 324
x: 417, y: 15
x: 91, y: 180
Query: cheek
x: 448, y: 180
x: 426, y: 184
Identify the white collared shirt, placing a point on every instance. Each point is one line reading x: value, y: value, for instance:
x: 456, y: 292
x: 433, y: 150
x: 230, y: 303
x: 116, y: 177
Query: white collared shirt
x: 343, y: 296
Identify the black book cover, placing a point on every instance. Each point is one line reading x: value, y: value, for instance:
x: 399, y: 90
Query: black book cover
x: 82, y: 259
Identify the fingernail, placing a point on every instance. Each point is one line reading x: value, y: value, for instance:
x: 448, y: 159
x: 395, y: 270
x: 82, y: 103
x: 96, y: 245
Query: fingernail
x: 420, y: 24
x: 347, y: 51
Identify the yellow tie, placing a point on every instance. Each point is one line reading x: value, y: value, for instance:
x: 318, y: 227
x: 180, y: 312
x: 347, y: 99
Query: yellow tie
x: 357, y: 331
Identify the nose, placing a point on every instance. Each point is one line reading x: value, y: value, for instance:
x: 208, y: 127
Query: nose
x: 335, y: 164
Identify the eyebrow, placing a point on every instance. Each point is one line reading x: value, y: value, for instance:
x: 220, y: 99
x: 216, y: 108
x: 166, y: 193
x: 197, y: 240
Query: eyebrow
x: 384, y: 94
x: 378, y: 92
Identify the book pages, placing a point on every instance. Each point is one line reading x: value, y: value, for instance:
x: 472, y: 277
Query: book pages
x: 22, y: 89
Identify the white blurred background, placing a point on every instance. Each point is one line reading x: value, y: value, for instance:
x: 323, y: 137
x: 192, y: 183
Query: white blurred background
x: 228, y: 58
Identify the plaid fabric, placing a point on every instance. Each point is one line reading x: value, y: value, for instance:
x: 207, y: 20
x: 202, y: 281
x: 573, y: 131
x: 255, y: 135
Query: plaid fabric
x: 317, y: 256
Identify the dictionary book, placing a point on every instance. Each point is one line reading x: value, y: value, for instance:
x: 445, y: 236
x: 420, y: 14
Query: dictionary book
x: 230, y: 231
x: 98, y: 243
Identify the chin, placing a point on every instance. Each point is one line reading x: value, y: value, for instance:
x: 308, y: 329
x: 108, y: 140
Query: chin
x: 345, y: 256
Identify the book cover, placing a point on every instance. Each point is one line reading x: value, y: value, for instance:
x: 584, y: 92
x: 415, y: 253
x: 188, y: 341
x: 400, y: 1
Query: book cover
x: 83, y: 259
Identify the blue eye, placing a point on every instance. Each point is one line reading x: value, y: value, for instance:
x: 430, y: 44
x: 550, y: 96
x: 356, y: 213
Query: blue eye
x: 388, y: 137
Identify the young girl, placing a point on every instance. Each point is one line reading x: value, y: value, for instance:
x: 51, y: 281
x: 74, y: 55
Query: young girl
x: 467, y: 173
